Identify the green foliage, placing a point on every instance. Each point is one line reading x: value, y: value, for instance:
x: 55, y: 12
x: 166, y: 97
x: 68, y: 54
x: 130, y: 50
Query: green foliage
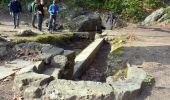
x: 47, y: 39
x: 149, y: 80
x: 91, y: 3
x: 153, y: 4
x: 114, y: 5
x: 167, y: 11
x: 4, y: 3
x: 132, y: 10
x: 117, y: 45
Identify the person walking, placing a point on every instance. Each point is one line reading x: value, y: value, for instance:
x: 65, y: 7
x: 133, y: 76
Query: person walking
x: 34, y: 6
x: 53, y: 10
x: 40, y: 14
x: 15, y: 10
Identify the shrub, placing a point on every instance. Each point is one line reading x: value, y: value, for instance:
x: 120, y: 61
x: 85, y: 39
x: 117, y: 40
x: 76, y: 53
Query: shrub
x: 149, y: 80
x: 153, y: 4
x: 132, y: 10
x: 128, y: 9
x: 114, y: 5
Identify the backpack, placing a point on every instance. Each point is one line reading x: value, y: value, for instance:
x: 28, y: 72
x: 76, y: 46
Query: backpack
x: 29, y: 7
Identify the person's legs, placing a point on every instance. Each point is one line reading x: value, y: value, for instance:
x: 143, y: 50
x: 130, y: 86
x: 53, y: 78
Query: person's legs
x: 39, y: 19
x: 50, y: 22
x: 33, y: 20
x: 54, y: 22
x: 17, y: 19
x: 14, y: 19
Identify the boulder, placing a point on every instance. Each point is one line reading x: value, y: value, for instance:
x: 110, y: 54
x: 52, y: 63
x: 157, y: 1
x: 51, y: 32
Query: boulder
x: 32, y: 92
x: 78, y: 90
x: 50, y: 49
x: 66, y: 67
x: 5, y: 72
x: 71, y: 55
x: 59, y: 61
x: 55, y: 72
x: 26, y: 32
x: 28, y: 48
x: 131, y: 87
x: 126, y: 90
x: 37, y: 67
x: 5, y: 48
x: 2, y: 39
x: 18, y: 64
x: 42, y: 51
x: 22, y: 81
x: 40, y: 66
x: 73, y: 13
x: 153, y: 17
x: 45, y: 57
x: 86, y: 23
x: 29, y: 68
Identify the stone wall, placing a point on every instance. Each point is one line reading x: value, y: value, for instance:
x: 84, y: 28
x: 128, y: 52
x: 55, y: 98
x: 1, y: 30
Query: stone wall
x: 43, y: 80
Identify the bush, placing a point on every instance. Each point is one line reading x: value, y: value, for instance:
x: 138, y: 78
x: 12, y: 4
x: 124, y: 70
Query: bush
x: 153, y: 4
x: 91, y: 3
x: 114, y: 5
x: 132, y: 10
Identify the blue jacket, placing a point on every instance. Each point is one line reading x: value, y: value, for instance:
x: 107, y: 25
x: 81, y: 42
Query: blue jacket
x: 52, y: 9
x: 15, y: 7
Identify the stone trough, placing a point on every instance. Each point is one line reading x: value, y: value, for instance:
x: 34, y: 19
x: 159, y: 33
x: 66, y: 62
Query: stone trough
x: 51, y: 76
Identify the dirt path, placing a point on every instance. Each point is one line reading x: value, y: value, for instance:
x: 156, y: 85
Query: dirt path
x: 151, y: 51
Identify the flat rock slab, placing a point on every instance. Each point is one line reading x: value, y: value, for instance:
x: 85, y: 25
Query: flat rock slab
x: 78, y: 90
x: 4, y: 72
x: 86, y: 57
x: 18, y: 64
x: 53, y: 72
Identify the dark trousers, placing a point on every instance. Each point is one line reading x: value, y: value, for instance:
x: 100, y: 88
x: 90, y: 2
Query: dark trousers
x: 40, y: 20
x: 33, y: 19
x: 52, y: 22
x: 16, y: 19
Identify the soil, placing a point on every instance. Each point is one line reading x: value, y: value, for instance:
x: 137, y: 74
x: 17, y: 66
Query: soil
x: 96, y: 71
x: 150, y: 50
x: 147, y: 48
x: 6, y: 92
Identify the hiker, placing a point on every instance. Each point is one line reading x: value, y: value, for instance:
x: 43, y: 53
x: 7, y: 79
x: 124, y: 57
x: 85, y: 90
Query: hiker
x: 111, y: 19
x: 15, y: 10
x: 53, y: 10
x: 40, y: 14
x: 34, y: 12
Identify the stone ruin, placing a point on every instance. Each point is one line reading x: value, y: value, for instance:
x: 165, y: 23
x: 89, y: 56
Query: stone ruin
x: 47, y: 72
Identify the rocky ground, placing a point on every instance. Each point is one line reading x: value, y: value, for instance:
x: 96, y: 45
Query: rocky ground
x: 149, y: 49
x: 99, y: 66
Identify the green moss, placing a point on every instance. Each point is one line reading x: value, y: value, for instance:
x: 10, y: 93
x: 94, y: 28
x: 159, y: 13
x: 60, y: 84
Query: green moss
x: 46, y: 39
x: 149, y: 80
x: 117, y: 45
x: 116, y: 56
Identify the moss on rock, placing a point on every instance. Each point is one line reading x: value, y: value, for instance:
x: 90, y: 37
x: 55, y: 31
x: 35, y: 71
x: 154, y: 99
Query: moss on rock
x: 46, y: 39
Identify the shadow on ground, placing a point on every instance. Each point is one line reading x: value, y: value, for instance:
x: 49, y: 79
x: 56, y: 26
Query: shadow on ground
x: 155, y: 60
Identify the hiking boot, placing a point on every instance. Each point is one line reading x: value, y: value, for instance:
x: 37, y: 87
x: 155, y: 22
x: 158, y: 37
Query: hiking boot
x: 34, y: 27
x: 15, y: 27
